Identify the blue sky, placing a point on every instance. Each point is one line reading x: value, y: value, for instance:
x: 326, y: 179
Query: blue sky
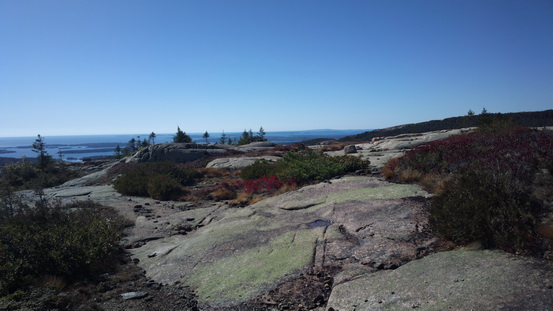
x: 115, y: 66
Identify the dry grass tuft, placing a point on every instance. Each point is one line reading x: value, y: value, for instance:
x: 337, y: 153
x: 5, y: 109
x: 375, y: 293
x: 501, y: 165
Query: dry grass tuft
x: 51, y: 282
x: 223, y: 194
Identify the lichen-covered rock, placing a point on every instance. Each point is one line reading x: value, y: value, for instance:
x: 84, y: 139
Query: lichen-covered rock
x: 257, y: 146
x: 455, y: 280
x: 241, y: 253
x: 382, y: 149
x: 238, y: 163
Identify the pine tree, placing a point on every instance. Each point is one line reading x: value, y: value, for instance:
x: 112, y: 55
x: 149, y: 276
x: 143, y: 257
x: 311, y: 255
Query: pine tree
x: 206, y: 136
x: 144, y: 143
x: 131, y: 145
x: 43, y: 158
x: 181, y: 137
x: 245, y: 139
x: 223, y: 138
x: 151, y: 138
x: 117, y: 151
x: 261, y: 134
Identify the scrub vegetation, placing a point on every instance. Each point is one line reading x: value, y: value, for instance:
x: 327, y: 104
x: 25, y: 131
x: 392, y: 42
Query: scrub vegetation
x: 492, y: 185
x: 42, y: 172
x: 167, y: 180
x: 48, y: 240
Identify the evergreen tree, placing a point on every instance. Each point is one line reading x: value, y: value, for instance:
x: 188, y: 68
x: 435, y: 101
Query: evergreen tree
x: 181, y: 137
x: 43, y: 158
x: 206, y: 136
x: 131, y: 145
x: 484, y: 119
x: 151, y: 138
x: 223, y: 138
x: 144, y: 143
x: 245, y: 138
x: 261, y: 134
x: 118, y: 151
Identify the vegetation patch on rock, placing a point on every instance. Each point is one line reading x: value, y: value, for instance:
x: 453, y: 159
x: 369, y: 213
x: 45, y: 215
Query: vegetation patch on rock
x: 304, y: 167
x: 489, y: 185
x: 61, y: 242
x: 159, y: 180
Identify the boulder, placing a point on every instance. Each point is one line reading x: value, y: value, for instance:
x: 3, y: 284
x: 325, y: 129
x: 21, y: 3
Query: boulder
x: 175, y: 152
x: 350, y: 149
x: 257, y: 146
x: 455, y: 280
x: 238, y: 163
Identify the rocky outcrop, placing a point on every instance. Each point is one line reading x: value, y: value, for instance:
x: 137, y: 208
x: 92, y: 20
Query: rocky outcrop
x: 175, y: 152
x: 375, y: 232
x: 237, y: 254
x: 238, y: 163
x: 455, y: 280
x: 257, y: 146
x: 382, y: 149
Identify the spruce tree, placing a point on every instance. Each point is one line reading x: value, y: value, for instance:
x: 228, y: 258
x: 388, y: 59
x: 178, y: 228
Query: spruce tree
x: 117, y: 151
x: 181, y: 137
x: 206, y: 136
x: 151, y: 138
x: 43, y: 158
x: 261, y: 134
x: 223, y: 138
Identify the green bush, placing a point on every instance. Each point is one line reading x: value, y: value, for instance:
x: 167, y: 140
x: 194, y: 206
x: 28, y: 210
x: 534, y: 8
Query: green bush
x: 27, y: 175
x: 50, y: 239
x: 495, y: 209
x: 162, y: 187
x: 304, y: 167
x: 159, y: 180
x: 258, y: 169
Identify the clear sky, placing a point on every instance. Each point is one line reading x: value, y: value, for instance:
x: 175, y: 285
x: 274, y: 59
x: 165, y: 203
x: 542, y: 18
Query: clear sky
x: 134, y: 66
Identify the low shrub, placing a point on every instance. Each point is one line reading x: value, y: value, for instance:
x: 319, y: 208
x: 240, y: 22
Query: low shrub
x: 518, y: 151
x: 162, y: 187
x: 495, y: 209
x: 49, y: 239
x: 259, y: 169
x: 304, y: 167
x: 27, y: 175
x: 160, y: 180
x: 262, y: 185
x: 491, y: 185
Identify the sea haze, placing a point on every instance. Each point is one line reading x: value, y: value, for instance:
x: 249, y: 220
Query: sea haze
x: 77, y: 147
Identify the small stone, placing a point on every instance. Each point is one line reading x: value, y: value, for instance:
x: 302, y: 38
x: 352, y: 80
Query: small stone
x: 134, y: 295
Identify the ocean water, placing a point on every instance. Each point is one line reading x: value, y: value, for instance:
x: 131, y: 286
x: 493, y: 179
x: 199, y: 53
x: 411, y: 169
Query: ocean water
x: 77, y: 147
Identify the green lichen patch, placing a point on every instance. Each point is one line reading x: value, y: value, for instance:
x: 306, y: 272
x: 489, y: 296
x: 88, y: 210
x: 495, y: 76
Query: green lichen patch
x: 384, y: 192
x: 241, y: 277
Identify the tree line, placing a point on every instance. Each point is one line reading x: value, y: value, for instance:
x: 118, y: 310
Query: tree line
x: 135, y: 144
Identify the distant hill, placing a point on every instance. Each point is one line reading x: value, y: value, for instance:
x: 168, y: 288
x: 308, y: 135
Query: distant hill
x: 530, y: 119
